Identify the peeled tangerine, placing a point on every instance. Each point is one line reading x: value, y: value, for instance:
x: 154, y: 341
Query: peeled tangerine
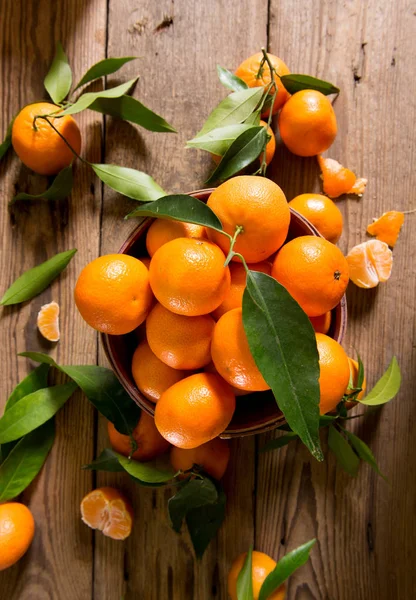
x: 107, y: 510
x: 370, y: 263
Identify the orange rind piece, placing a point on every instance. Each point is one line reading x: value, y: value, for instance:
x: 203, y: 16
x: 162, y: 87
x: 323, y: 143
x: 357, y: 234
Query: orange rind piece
x: 107, y: 510
x: 387, y: 227
x: 370, y: 263
x: 338, y: 180
x: 48, y: 321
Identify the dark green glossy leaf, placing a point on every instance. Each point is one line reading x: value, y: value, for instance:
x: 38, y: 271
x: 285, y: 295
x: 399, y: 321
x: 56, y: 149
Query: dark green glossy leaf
x: 360, y: 376
x: 179, y: 207
x: 231, y: 81
x: 34, y: 281
x: 104, y: 67
x: 245, y: 578
x: 129, y: 182
x: 194, y: 493
x: 270, y: 316
x: 217, y: 141
x: 107, y: 461
x: 279, y: 442
x: 285, y: 568
x: 7, y: 142
x: 204, y: 522
x: 59, y: 78
x: 130, y: 109
x: 25, y: 460
x: 242, y: 152
x: 363, y: 451
x: 152, y: 472
x: 34, y: 410
x: 60, y: 188
x: 386, y: 387
x: 87, y: 99
x: 345, y: 455
x: 296, y: 82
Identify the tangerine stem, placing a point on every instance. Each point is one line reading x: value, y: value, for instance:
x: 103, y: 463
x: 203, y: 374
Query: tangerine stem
x: 263, y: 166
x: 45, y: 118
x: 231, y: 253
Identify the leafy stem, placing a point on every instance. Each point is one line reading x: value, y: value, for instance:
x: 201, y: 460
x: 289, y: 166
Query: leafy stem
x: 45, y: 118
x: 239, y: 229
x: 263, y: 166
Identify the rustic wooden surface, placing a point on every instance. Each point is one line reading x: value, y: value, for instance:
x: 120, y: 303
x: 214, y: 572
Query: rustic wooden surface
x: 365, y: 527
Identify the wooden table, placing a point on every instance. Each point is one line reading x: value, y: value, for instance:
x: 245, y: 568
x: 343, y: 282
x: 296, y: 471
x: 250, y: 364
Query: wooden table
x: 365, y: 527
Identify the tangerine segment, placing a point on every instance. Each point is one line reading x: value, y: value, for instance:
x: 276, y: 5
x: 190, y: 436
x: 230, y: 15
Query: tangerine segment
x: 370, y: 263
x: 195, y: 410
x: 150, y: 444
x: 322, y: 213
x: 48, y: 321
x: 17, y: 528
x: 162, y: 231
x: 38, y: 146
x: 259, y: 206
x: 387, y: 227
x: 314, y: 272
x: 231, y: 354
x: 212, y: 457
x: 262, y: 566
x: 334, y: 372
x: 180, y: 342
x: 107, y: 510
x: 249, y: 69
x: 188, y: 276
x: 321, y: 323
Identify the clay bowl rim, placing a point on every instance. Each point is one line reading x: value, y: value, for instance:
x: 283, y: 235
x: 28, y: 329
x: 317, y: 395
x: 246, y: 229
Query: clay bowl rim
x: 147, y: 405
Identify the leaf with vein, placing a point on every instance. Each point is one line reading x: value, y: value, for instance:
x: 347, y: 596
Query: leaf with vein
x: 130, y: 109
x: 104, y: 67
x: 87, y: 99
x: 231, y: 81
x: 386, y: 387
x: 59, y: 78
x: 59, y: 189
x: 129, y: 182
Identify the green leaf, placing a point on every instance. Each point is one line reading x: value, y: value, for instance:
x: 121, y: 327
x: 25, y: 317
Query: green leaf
x: 386, y: 387
x: 242, y: 152
x: 34, y: 410
x: 363, y: 451
x: 60, y: 188
x: 279, y: 442
x: 87, y: 99
x: 179, y: 207
x: 34, y: 281
x: 270, y: 316
x: 59, y: 78
x: 245, y: 578
x: 360, y: 376
x: 129, y: 182
x: 345, y: 455
x: 254, y: 118
x: 231, y: 81
x: 7, y: 142
x: 107, y: 461
x: 130, y: 109
x: 204, y: 522
x: 193, y: 494
x: 25, y: 461
x: 285, y: 568
x: 233, y: 109
x: 102, y: 389
x: 152, y: 472
x: 104, y: 67
x: 295, y: 82
x: 217, y: 141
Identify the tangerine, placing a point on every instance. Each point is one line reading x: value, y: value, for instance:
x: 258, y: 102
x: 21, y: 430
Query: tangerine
x: 150, y: 444
x: 321, y: 323
x: 322, y: 213
x: 17, y: 528
x: 262, y: 566
x: 334, y: 372
x: 162, y: 231
x: 212, y: 457
x: 107, y: 510
x: 370, y: 263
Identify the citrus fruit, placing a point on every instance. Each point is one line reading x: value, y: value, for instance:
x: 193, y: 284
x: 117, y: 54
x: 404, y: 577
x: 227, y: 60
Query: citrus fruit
x: 353, y: 364
x: 270, y: 146
x: 370, y: 263
x: 259, y: 206
x: 234, y: 297
x: 307, y: 123
x: 150, y: 444
x: 334, y: 372
x: 231, y: 353
x: 162, y: 231
x: 314, y: 272
x: 250, y: 72
x: 152, y: 376
x: 212, y: 457
x: 17, y: 528
x: 321, y: 323
x: 195, y: 410
x: 38, y: 146
x: 262, y: 566
x: 210, y: 368
x: 338, y: 180
x: 180, y: 342
x: 48, y: 321
x: 113, y: 293
x: 107, y: 510
x: 188, y: 276
x: 322, y: 213
x: 387, y: 227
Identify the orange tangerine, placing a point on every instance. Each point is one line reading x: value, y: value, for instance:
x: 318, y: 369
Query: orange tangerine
x: 370, y: 263
x: 212, y: 457
x: 162, y: 231
x: 107, y: 510
x: 334, y: 372
x: 262, y: 566
x: 321, y: 323
x: 322, y: 213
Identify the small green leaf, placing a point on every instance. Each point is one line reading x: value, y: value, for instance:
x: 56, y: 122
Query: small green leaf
x: 130, y: 109
x: 194, y: 493
x: 233, y: 110
x: 363, y: 451
x: 242, y: 152
x: 295, y: 82
x: 25, y: 460
x: 279, y: 442
x: 87, y: 99
x: 34, y: 281
x: 217, y: 141
x: 7, y: 142
x: 360, y: 376
x: 345, y: 455
x: 204, y: 522
x: 34, y: 410
x: 60, y: 188
x: 104, y: 67
x: 270, y: 316
x: 386, y: 387
x: 254, y: 118
x: 285, y: 568
x: 231, y: 81
x: 129, y: 182
x: 107, y: 461
x: 59, y: 78
x: 245, y: 578
x: 179, y: 207
x: 153, y: 472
